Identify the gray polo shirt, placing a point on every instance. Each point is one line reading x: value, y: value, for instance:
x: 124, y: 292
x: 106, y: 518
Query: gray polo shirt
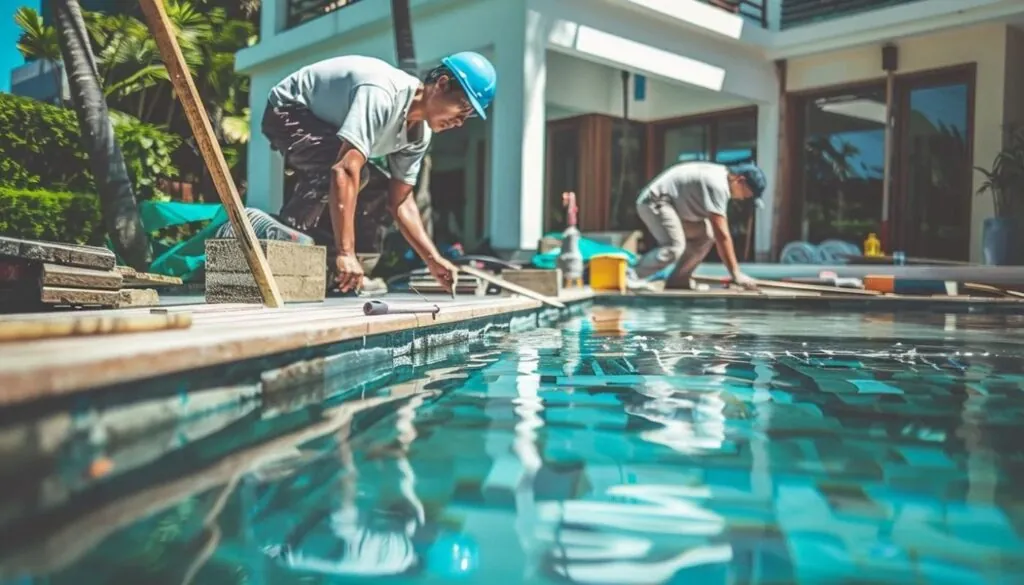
x: 697, y: 189
x: 368, y: 100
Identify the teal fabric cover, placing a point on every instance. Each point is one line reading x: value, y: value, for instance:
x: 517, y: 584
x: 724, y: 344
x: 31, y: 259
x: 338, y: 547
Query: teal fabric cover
x: 588, y: 248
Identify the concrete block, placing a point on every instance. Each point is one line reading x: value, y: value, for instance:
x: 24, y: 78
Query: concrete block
x: 240, y: 287
x: 284, y: 258
x: 300, y: 272
x: 545, y: 282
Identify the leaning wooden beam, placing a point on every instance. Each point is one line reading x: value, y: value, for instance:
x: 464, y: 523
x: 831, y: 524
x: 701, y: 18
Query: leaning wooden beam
x: 181, y: 79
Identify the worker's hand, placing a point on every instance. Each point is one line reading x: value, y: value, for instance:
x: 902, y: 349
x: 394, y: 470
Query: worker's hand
x: 349, y: 272
x: 444, y: 272
x: 744, y: 281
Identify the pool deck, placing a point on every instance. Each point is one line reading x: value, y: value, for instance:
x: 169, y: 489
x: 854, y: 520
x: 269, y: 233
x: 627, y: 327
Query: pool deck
x: 223, y: 334
x: 219, y: 334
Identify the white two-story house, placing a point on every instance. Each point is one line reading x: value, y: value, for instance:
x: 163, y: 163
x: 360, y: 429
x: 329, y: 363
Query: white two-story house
x: 597, y: 96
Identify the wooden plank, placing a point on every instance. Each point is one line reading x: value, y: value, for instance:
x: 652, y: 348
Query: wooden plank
x: 79, y: 297
x: 132, y: 278
x: 977, y: 286
x: 163, y: 32
x: 55, y: 253
x: 74, y: 277
x: 792, y: 286
x: 23, y: 329
x: 500, y: 282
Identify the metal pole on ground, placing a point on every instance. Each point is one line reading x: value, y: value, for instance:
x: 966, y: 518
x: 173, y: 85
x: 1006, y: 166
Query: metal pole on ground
x: 163, y: 33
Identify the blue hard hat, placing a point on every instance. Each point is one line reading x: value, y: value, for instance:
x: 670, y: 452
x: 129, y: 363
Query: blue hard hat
x: 477, y: 77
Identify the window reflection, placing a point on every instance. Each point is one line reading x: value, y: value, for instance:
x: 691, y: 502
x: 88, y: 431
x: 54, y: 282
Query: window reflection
x: 936, y: 207
x: 843, y: 165
x: 686, y: 143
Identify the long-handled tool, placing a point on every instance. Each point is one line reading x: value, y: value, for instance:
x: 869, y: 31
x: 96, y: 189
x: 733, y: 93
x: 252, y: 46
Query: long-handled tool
x: 381, y: 308
x: 511, y: 287
x: 794, y: 286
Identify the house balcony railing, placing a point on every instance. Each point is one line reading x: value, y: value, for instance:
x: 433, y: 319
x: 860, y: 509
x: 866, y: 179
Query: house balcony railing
x: 300, y: 11
x: 800, y: 12
x: 753, y: 10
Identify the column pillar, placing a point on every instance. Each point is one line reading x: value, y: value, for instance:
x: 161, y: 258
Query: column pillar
x: 265, y: 189
x: 768, y: 160
x: 273, y: 17
x: 516, y: 206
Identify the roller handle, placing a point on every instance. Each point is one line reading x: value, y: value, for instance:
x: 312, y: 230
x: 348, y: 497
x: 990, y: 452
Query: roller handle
x: 375, y: 308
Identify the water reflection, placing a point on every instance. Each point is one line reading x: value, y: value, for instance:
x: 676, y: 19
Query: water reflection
x: 628, y: 446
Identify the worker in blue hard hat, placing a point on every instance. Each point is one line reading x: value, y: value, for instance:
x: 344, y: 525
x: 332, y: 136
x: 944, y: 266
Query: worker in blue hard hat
x: 329, y: 118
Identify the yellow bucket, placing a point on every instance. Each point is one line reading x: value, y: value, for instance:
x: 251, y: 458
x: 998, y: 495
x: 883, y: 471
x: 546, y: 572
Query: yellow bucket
x: 608, y: 272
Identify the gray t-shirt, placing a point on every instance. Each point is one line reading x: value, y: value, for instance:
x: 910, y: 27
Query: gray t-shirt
x: 368, y: 100
x: 697, y: 189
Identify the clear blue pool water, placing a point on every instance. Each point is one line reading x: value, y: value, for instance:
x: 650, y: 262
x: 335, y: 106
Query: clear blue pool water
x: 630, y: 446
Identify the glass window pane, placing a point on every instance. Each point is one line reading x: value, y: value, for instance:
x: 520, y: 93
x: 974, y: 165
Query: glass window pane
x: 936, y: 201
x: 737, y: 139
x: 843, y: 160
x: 628, y: 170
x: 685, y: 143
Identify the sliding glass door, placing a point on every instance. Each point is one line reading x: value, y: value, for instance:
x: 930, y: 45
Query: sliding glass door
x: 841, y: 165
x: 842, y: 155
x: 933, y: 212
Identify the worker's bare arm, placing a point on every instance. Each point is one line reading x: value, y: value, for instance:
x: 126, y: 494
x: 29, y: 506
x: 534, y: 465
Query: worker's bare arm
x: 727, y: 251
x: 342, y: 203
x: 723, y: 241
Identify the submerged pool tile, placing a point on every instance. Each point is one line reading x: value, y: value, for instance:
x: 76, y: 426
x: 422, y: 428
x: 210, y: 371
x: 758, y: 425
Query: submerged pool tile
x: 687, y: 446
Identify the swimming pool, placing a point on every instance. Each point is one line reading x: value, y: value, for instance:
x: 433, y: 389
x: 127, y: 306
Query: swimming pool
x: 654, y: 444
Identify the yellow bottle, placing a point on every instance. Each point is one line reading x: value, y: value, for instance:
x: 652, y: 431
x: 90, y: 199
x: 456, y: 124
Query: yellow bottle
x: 872, y: 246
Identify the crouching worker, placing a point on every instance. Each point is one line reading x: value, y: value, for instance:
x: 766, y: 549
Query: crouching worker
x: 685, y: 210
x: 328, y: 118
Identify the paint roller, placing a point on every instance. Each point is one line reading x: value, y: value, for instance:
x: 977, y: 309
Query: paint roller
x: 381, y: 308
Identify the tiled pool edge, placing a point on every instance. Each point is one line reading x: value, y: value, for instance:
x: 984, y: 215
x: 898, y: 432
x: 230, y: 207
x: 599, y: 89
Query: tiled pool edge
x: 301, y: 363
x: 825, y: 302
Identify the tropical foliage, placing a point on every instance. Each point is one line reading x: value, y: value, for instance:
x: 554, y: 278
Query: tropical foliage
x: 33, y: 135
x: 1005, y: 180
x: 135, y: 80
x: 56, y: 216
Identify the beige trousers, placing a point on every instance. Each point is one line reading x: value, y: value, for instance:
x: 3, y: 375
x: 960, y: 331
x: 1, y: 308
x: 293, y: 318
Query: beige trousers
x: 683, y: 243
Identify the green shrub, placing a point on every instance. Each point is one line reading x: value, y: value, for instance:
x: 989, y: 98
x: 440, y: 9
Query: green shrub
x: 72, y: 218
x: 40, y: 148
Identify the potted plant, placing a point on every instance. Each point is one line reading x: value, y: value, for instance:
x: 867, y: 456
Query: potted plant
x: 1001, y: 239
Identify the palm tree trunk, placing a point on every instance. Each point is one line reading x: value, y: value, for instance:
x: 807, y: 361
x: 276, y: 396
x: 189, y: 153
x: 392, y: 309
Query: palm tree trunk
x: 405, y: 49
x: 117, y: 201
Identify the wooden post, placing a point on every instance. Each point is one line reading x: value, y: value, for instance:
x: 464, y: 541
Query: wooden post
x: 163, y: 32
x: 886, y: 229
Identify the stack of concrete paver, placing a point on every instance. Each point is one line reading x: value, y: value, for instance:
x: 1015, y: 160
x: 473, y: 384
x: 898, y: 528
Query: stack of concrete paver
x: 300, y: 272
x: 37, y: 275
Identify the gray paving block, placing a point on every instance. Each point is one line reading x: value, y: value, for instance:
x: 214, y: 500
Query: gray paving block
x: 240, y: 287
x: 284, y: 258
x: 56, y: 253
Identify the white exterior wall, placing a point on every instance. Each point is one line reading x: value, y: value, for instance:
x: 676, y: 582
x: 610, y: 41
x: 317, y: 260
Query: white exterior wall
x: 565, y: 54
x: 558, y: 58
